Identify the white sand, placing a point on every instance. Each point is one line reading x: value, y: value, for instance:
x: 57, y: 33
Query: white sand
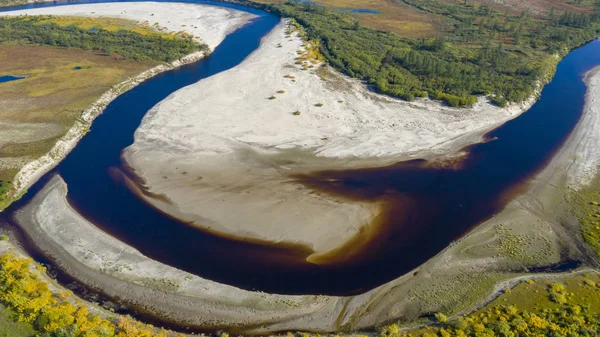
x: 121, y: 271
x: 221, y: 151
x: 209, y: 24
x: 232, y: 108
x: 81, y: 248
x: 585, y: 157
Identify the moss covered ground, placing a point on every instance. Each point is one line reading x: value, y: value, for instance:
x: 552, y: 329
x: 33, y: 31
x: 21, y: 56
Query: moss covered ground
x: 9, y: 327
x: 585, y: 204
x: 553, y: 306
x: 60, y: 83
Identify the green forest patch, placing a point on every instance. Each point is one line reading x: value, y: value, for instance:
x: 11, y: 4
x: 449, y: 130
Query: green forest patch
x: 484, y: 52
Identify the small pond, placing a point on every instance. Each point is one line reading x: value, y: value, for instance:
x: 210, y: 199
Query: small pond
x: 9, y: 78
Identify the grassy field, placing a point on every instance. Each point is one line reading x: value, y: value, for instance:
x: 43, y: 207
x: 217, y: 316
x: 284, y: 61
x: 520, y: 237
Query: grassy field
x: 44, y: 105
x: 538, y: 8
x: 585, y: 204
x: 394, y: 16
x: 60, y: 83
x: 556, y: 306
x: 10, y: 328
x: 534, y: 296
x: 406, y: 20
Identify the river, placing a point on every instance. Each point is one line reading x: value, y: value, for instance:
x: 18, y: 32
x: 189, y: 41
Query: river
x: 427, y: 206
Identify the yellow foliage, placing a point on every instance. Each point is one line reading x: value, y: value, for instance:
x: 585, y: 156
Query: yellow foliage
x: 22, y: 290
x: 564, y: 319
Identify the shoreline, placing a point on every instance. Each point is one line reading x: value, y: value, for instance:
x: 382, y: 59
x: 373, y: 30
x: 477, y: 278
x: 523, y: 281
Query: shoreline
x: 561, y: 173
x: 183, y: 300
x: 260, y: 142
x: 100, y: 261
x: 348, y: 309
x: 34, y: 170
x: 397, y: 298
x: 583, y: 173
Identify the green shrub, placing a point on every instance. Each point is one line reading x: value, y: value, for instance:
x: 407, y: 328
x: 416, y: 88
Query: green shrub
x: 441, y: 317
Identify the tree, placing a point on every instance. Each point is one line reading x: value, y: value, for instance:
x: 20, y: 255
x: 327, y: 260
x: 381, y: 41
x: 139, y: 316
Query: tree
x: 441, y: 317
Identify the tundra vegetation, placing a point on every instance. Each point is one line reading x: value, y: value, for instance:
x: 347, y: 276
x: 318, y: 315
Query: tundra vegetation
x: 483, y: 51
x: 586, y: 207
x: 567, y: 306
x: 68, y: 63
x: 8, y: 3
x: 35, y: 310
x: 42, y: 30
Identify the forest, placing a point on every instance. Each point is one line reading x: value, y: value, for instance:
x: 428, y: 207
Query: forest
x: 129, y: 45
x: 485, y: 53
x: 56, y: 314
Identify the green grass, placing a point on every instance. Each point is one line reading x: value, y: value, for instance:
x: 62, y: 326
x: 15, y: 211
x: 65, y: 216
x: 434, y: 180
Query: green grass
x: 11, y: 328
x: 584, y: 204
x: 534, y: 296
x: 522, y: 247
x: 455, y: 293
x: 529, y: 309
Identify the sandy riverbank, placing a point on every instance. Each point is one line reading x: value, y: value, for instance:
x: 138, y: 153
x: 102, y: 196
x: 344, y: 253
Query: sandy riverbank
x: 585, y: 141
x: 229, y: 142
x: 208, y: 24
x: 101, y: 261
x: 529, y: 233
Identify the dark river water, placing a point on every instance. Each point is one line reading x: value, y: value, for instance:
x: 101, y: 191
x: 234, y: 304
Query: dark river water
x: 426, y: 205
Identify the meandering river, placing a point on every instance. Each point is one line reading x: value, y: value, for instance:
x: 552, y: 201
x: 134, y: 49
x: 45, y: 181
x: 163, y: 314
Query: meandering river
x: 426, y: 206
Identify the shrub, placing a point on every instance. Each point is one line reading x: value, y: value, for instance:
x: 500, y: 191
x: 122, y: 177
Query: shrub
x: 318, y: 105
x: 500, y: 101
x: 441, y: 317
